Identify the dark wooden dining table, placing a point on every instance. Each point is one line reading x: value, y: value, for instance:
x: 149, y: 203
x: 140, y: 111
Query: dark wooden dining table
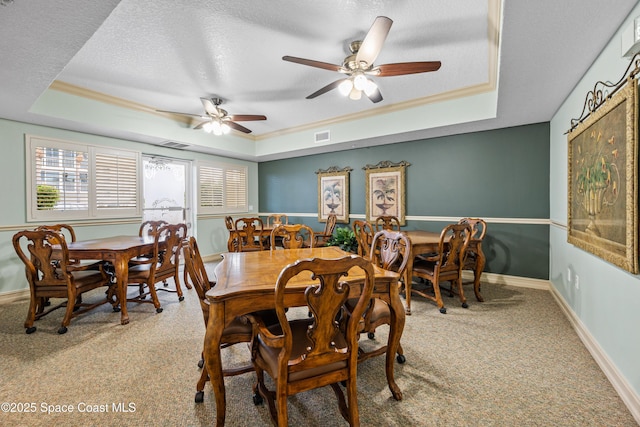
x: 245, y: 283
x: 117, y: 250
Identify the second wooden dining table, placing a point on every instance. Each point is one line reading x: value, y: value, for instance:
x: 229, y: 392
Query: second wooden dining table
x: 245, y: 283
x: 117, y: 250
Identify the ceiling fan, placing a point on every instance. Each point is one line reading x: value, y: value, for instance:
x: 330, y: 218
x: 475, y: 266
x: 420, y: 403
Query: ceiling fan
x: 217, y: 120
x: 359, y: 65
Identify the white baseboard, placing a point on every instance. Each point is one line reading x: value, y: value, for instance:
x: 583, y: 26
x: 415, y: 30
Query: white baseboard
x: 13, y: 296
x: 503, y: 279
x: 620, y: 384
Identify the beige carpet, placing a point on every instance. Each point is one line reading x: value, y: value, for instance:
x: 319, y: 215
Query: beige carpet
x: 511, y: 361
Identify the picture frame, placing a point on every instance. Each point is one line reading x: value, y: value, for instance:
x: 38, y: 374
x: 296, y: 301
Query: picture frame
x: 603, y: 180
x: 385, y: 190
x: 333, y: 193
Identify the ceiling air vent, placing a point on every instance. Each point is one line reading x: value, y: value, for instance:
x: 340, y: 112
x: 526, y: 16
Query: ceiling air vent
x: 172, y: 144
x: 323, y: 136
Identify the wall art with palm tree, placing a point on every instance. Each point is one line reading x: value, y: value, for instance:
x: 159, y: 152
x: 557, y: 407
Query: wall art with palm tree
x: 333, y: 193
x: 385, y: 190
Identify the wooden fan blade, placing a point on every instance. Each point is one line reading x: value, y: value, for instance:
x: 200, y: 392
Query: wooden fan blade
x: 402, y: 68
x: 246, y: 117
x: 209, y: 107
x: 375, y: 97
x: 312, y: 63
x: 200, y: 116
x: 326, y: 89
x: 373, y: 41
x: 199, y: 126
x: 238, y: 127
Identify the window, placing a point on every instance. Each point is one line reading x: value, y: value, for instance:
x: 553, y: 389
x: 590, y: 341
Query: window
x: 70, y: 180
x: 222, y: 188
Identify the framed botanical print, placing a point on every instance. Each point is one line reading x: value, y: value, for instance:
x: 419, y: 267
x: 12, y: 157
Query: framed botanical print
x: 333, y: 194
x: 385, y: 190
x: 603, y: 180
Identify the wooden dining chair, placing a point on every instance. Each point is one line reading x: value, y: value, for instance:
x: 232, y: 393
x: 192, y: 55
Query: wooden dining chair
x: 150, y: 228
x: 69, y: 235
x: 301, y: 354
x: 240, y: 330
x: 277, y: 219
x: 445, y: 265
x: 475, y: 259
x: 292, y: 236
x: 232, y: 241
x: 364, y: 236
x: 250, y: 233
x: 51, y: 274
x: 322, y: 238
x: 161, y: 265
x: 387, y: 222
x: 390, y: 250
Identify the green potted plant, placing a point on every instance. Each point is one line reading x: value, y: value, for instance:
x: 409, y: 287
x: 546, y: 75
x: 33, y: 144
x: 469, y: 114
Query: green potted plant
x: 47, y: 196
x: 345, y: 239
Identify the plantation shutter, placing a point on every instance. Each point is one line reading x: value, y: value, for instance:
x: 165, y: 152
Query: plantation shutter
x: 222, y: 188
x: 116, y: 182
x: 236, y: 194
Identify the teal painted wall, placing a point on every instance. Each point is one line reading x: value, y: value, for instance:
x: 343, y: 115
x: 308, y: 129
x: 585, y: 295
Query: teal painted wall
x: 501, y: 174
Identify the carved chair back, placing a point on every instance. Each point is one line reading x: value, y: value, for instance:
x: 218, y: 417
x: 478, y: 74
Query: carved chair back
x: 363, y: 232
x: 249, y: 233
x: 387, y: 222
x: 292, y: 236
x: 312, y: 352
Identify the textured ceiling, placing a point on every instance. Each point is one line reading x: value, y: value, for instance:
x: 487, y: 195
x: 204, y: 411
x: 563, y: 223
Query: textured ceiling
x: 166, y: 54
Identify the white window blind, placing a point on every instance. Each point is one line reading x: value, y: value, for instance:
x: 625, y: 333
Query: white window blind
x: 116, y: 181
x: 68, y: 180
x: 222, y: 188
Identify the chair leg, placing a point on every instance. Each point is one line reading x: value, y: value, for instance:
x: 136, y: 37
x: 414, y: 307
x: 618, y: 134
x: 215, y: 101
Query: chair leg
x: 68, y: 314
x: 36, y: 304
x: 281, y: 405
x: 463, y: 299
x: 154, y: 298
x: 204, y: 377
x: 436, y: 291
x: 400, y: 355
x: 346, y: 410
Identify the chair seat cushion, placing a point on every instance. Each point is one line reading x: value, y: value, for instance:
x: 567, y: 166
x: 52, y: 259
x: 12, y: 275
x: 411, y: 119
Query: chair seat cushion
x: 300, y: 343
x: 88, y: 279
x: 427, y: 268
x: 379, y: 310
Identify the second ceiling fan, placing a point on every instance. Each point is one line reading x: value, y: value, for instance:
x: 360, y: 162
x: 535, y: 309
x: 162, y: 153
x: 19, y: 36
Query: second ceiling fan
x: 359, y: 65
x: 217, y: 120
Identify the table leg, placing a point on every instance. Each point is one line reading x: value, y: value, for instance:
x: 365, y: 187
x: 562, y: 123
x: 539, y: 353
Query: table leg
x: 213, y: 358
x: 477, y: 273
x: 407, y: 284
x: 122, y: 277
x: 395, y: 332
